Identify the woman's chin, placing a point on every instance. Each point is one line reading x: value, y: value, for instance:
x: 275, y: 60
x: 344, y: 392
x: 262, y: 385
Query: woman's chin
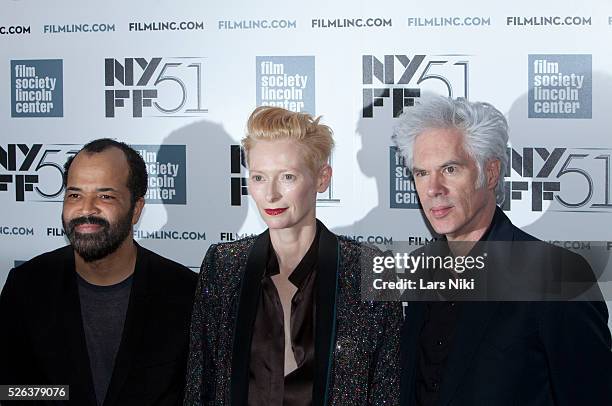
x: 275, y: 224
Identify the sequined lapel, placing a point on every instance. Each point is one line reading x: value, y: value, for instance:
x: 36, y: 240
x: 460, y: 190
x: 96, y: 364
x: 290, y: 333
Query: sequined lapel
x: 325, y: 321
x: 250, y: 290
x: 326, y: 289
x: 411, y: 329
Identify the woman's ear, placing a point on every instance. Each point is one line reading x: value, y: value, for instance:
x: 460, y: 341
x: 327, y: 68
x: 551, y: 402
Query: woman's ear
x: 324, y: 178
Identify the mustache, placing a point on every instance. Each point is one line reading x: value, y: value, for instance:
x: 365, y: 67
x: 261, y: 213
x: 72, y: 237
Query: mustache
x: 87, y: 220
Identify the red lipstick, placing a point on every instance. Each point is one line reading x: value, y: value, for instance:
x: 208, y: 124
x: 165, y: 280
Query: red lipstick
x: 274, y: 212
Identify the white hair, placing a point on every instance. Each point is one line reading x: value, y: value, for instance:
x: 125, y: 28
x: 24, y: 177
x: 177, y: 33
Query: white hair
x: 484, y: 127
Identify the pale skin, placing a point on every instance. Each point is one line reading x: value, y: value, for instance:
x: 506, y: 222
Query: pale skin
x: 97, y: 186
x: 445, y: 178
x: 285, y: 189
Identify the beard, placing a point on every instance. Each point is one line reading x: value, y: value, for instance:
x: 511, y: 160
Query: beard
x: 97, y: 245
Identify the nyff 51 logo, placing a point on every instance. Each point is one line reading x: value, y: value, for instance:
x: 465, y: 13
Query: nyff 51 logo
x: 401, y: 79
x: 571, y: 179
x: 158, y: 87
x: 34, y: 172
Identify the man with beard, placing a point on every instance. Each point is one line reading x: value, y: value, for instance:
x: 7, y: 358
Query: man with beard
x: 103, y: 315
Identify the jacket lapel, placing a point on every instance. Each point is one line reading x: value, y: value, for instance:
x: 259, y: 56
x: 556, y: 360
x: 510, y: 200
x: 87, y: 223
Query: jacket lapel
x: 77, y: 370
x: 250, y: 289
x: 133, y: 329
x: 325, y: 318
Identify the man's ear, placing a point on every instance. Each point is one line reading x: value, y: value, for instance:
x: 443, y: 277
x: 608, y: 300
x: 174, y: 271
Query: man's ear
x: 138, y: 206
x: 492, y: 172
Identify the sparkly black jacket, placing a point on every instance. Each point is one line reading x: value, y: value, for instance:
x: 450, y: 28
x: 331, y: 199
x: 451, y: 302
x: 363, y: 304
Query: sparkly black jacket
x: 356, y: 344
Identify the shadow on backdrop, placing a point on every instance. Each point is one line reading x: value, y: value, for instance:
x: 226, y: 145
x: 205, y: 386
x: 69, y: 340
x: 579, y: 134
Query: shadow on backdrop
x: 207, y: 190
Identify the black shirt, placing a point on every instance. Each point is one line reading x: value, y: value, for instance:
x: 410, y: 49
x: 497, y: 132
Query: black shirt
x: 435, y: 344
x: 268, y: 384
x: 103, y: 310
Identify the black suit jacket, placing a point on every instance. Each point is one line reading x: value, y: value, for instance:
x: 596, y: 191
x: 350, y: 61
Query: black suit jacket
x: 42, y: 340
x: 518, y: 353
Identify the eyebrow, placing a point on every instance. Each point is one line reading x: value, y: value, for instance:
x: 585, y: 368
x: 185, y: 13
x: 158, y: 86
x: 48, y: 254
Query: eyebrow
x: 102, y: 189
x: 452, y: 162
x: 263, y: 171
x: 445, y: 164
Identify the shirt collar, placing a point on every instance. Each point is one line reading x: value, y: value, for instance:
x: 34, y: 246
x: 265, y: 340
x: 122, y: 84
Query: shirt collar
x: 304, y: 268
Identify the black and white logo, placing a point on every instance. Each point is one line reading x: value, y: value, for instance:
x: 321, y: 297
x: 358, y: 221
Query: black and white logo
x: 560, y: 179
x: 34, y: 172
x: 155, y: 87
x: 401, y: 79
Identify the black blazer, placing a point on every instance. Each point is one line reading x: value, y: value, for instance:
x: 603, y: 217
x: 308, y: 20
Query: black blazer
x: 518, y: 353
x: 42, y: 340
x: 356, y: 342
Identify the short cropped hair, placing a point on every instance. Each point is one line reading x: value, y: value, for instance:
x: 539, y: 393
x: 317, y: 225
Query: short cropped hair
x: 275, y: 123
x: 485, y: 131
x: 137, y: 181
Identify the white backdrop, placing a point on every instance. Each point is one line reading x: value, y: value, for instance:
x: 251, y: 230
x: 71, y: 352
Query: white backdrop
x: 200, y: 81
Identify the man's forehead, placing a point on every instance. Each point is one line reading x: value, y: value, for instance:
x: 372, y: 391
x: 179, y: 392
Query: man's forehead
x: 108, y: 163
x: 440, y: 136
x: 435, y: 147
x: 109, y: 157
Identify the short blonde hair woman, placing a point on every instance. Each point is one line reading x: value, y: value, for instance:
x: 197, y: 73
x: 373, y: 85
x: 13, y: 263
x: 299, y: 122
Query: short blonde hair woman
x: 278, y: 318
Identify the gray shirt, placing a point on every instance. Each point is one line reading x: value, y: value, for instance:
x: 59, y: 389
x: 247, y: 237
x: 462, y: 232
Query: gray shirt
x: 103, y: 309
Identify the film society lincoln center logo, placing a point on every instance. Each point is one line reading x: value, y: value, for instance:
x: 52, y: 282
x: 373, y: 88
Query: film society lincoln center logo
x: 37, y: 88
x: 287, y: 82
x: 166, y: 167
x: 560, y: 86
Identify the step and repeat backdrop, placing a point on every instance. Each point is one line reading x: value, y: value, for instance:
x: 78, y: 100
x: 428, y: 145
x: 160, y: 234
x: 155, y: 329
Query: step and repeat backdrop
x: 178, y: 81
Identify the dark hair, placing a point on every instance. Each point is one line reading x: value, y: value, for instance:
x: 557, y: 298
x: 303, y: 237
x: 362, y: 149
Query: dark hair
x: 137, y: 176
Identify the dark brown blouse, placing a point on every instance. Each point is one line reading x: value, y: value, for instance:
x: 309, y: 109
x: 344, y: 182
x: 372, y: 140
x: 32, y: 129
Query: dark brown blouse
x: 268, y: 384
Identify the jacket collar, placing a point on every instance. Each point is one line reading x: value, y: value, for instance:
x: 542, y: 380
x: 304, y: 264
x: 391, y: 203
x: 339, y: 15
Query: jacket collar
x: 326, y: 287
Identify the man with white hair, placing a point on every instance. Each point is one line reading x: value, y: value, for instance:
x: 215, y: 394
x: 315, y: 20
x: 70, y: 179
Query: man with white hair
x: 488, y: 353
